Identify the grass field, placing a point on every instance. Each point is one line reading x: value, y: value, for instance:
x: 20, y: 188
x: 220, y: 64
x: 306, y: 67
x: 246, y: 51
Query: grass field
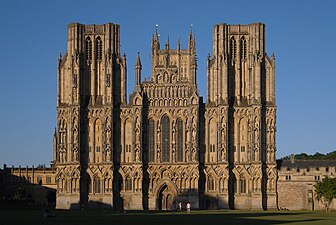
x: 35, y: 217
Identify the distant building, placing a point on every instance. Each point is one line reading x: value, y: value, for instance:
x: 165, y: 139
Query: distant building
x: 166, y: 145
x: 35, y: 186
x: 296, y: 183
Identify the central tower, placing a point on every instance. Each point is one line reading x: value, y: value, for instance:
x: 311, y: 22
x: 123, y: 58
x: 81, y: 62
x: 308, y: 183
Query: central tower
x: 160, y: 129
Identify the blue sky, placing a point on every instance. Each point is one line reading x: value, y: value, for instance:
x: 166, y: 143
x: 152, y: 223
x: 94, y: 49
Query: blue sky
x: 302, y: 35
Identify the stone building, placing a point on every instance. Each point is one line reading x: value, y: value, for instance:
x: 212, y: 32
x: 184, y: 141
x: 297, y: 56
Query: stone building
x: 27, y: 186
x: 166, y: 145
x: 296, y: 183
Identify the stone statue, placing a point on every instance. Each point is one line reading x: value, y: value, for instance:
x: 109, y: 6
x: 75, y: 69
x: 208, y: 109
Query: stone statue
x: 194, y: 132
x: 159, y: 133
x: 108, y: 154
x: 137, y: 135
x: 174, y: 133
x: 137, y: 154
x: 158, y: 154
x: 187, y: 156
x: 108, y: 135
x: 194, y: 155
x: 223, y: 152
x: 75, y: 154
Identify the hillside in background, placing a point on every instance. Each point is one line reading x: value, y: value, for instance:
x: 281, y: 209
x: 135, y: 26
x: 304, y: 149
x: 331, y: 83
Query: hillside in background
x: 316, y: 156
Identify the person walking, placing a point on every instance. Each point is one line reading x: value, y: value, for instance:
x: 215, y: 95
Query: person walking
x: 188, y: 207
x: 180, y: 206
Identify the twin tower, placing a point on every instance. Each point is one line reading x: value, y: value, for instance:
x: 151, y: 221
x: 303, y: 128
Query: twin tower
x: 166, y: 145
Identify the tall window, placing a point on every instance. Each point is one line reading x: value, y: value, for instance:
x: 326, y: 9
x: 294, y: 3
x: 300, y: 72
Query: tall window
x: 88, y: 46
x: 242, y: 185
x: 98, y: 136
x: 243, y: 48
x: 165, y: 139
x: 99, y: 48
x: 233, y: 47
x: 128, y: 183
x: 213, y: 135
x: 211, y: 183
x: 179, y: 131
x: 151, y: 140
x: 96, y: 184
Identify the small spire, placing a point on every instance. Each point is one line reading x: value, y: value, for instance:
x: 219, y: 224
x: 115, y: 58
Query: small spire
x: 191, y: 43
x: 138, y: 61
x: 167, y: 44
x: 138, y: 68
x: 191, y: 32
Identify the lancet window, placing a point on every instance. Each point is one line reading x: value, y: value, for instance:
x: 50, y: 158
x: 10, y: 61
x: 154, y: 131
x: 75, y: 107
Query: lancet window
x: 179, y: 131
x: 151, y: 140
x: 165, y: 139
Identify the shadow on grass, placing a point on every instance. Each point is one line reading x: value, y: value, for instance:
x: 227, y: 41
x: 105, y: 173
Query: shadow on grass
x: 105, y: 217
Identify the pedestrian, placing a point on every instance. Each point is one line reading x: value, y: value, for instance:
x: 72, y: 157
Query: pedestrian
x: 180, y: 206
x: 188, y: 207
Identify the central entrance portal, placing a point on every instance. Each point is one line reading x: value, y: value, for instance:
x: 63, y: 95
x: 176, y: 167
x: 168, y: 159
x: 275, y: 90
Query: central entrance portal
x: 166, y: 198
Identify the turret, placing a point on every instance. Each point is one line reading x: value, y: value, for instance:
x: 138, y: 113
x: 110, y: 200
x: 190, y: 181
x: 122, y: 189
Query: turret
x: 138, y: 68
x: 54, y: 145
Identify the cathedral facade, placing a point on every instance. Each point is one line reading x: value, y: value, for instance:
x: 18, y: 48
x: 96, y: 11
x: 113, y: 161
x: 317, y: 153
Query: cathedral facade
x: 166, y: 145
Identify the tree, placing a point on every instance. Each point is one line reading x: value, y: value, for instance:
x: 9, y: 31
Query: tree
x: 326, y: 191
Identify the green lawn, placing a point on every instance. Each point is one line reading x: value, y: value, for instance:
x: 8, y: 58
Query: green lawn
x: 26, y: 217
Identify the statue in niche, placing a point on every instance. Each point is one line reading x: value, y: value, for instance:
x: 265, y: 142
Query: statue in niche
x: 108, y: 135
x: 137, y: 135
x: 63, y: 155
x: 108, y: 155
x: 75, y: 130
x: 137, y: 154
x: 75, y: 154
x: 60, y: 156
x: 256, y: 153
x: 159, y: 133
x: 256, y: 132
x: 158, y: 154
x: 174, y: 132
x: 75, y: 136
x: 223, y: 131
x: 194, y: 132
x: 268, y: 153
x: 193, y: 155
x: 187, y: 155
x: 223, y: 152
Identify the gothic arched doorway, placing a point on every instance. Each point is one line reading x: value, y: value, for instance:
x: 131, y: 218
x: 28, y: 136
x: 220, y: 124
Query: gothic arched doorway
x: 166, y: 198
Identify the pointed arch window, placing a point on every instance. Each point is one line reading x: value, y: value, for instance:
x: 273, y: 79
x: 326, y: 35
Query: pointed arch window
x: 151, y: 140
x: 96, y: 185
x: 211, y: 183
x: 165, y: 139
x: 99, y: 48
x: 243, y: 48
x: 88, y: 47
x: 242, y: 185
x: 128, y: 184
x: 233, y: 47
x: 179, y: 125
